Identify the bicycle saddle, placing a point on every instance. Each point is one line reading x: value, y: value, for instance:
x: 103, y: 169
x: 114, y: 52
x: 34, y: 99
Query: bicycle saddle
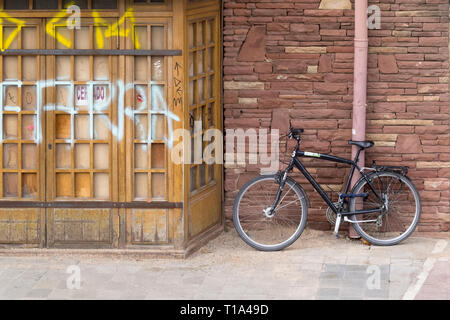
x: 362, y: 144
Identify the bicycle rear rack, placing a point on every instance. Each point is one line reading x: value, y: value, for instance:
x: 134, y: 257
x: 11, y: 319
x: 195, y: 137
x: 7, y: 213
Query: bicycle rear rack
x: 403, y: 170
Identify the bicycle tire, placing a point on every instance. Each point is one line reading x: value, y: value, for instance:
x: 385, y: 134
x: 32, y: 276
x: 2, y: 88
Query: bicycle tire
x: 237, y: 216
x: 360, y: 227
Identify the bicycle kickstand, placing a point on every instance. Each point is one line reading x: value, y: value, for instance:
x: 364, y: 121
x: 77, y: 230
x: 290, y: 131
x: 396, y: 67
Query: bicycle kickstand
x: 336, y: 226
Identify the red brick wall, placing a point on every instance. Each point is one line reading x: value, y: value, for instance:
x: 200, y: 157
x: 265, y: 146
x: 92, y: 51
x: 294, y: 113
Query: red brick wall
x: 286, y: 59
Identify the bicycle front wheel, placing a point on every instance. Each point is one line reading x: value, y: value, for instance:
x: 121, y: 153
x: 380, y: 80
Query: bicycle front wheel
x: 401, y: 213
x: 257, y: 226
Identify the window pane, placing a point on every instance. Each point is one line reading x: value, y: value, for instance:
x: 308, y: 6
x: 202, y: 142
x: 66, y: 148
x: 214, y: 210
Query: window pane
x: 45, y: 4
x: 104, y: 4
x: 16, y: 4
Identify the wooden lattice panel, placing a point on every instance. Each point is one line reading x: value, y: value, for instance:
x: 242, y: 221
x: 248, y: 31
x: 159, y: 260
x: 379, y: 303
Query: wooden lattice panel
x: 202, y: 45
x: 149, y: 115
x: 83, y: 118
x: 20, y: 118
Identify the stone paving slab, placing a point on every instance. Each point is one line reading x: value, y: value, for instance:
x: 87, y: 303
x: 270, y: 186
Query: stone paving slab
x: 317, y: 266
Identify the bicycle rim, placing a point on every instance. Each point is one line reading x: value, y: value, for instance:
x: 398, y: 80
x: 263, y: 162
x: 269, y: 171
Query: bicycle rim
x: 402, y: 215
x: 269, y: 232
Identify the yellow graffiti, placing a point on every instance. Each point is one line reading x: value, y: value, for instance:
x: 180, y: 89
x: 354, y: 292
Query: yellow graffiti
x: 113, y: 29
x: 50, y: 28
x: 4, y: 44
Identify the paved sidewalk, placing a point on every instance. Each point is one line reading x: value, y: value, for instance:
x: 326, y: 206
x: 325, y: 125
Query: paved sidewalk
x: 317, y: 266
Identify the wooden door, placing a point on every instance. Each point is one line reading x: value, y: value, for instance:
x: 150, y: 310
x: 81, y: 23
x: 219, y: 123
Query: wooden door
x: 21, y: 160
x: 81, y: 146
x: 204, y: 178
x: 147, y: 126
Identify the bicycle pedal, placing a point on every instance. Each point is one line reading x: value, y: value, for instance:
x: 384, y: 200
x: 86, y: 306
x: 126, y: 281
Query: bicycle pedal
x: 336, y: 235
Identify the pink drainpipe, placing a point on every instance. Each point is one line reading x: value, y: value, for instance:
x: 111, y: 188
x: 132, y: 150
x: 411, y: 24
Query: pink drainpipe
x: 359, y: 84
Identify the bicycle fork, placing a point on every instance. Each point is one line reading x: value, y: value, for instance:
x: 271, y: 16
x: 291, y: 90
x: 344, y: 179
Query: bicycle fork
x: 270, y: 211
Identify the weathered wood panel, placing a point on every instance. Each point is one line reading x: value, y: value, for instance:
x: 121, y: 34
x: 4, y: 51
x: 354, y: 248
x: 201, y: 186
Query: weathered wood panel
x: 149, y: 226
x: 21, y: 226
x: 96, y: 227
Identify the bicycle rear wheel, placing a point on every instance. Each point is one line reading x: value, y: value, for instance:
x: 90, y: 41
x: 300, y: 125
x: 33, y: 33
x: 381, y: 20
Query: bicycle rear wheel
x: 262, y: 230
x: 402, y: 208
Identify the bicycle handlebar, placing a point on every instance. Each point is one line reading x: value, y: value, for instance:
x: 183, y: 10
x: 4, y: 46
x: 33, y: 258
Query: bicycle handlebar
x: 295, y: 132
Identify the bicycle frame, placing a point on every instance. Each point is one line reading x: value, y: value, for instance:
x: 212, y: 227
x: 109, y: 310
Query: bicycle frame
x: 296, y: 162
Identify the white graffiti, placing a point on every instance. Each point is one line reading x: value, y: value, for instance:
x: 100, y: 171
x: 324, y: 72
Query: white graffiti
x: 101, y: 104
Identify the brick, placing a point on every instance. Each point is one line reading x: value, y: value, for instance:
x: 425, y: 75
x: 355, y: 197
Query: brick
x: 430, y: 196
x: 387, y: 64
x: 337, y: 33
x: 306, y: 49
x: 335, y: 4
x: 269, y: 12
x: 433, y: 164
x: 312, y: 69
x: 280, y: 119
x: 399, y: 122
x: 381, y: 137
x: 315, y: 124
x: 234, y: 85
x: 242, y: 123
x: 304, y: 28
x: 289, y: 66
x: 405, y: 98
x: 278, y: 27
x: 433, y: 41
x: 292, y: 85
x: 253, y: 49
x: 325, y: 63
x: 388, y: 50
x: 263, y: 67
x: 329, y: 88
x: 440, y: 184
x: 381, y: 107
x: 432, y: 88
x: 321, y: 114
x: 248, y: 100
x: 323, y: 13
x: 238, y: 69
x: 433, y: 129
x: 408, y: 144
x: 444, y: 173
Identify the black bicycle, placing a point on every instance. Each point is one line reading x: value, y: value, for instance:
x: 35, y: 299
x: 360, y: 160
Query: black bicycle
x: 270, y: 211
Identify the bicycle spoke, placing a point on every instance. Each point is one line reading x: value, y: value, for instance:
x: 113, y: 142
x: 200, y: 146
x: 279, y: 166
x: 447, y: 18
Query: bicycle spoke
x: 278, y: 208
x: 270, y: 230
x: 401, y: 208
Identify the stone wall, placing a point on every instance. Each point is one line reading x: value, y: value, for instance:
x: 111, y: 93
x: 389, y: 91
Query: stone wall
x: 294, y: 60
